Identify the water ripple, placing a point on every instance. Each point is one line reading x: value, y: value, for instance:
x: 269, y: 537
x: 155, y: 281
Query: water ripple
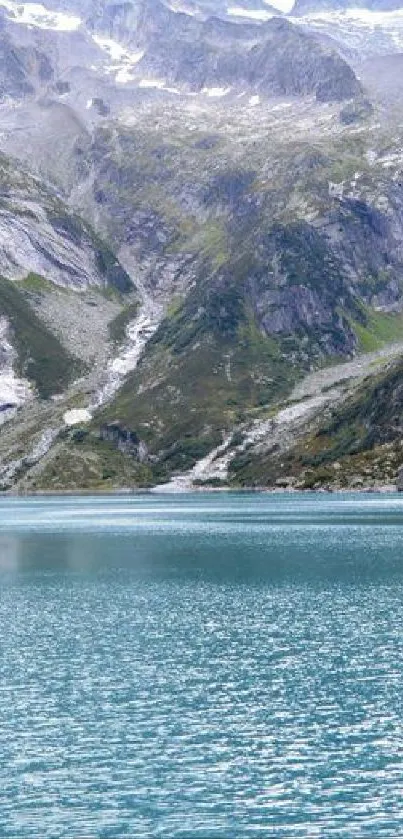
x: 247, y: 683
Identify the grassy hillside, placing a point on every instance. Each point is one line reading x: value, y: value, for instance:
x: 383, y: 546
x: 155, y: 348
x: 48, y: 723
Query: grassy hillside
x: 41, y: 357
x: 357, y: 443
x: 206, y: 367
x: 83, y: 461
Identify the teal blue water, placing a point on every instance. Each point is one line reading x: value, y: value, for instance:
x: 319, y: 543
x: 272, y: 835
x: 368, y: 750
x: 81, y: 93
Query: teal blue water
x: 202, y: 666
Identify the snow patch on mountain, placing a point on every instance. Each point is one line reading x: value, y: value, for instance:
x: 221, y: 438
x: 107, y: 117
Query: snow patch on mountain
x: 251, y: 14
x: 119, y: 60
x: 114, y: 50
x: 117, y: 52
x: 35, y: 14
x: 182, y: 8
x: 373, y: 31
x: 14, y: 390
x: 157, y: 84
x: 282, y: 5
x: 215, y: 92
x: 77, y: 416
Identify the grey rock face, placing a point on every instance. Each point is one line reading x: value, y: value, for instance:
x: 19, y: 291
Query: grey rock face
x: 274, y: 58
x: 125, y: 440
x: 32, y: 244
x: 38, y: 234
x: 286, y: 63
x: 21, y: 68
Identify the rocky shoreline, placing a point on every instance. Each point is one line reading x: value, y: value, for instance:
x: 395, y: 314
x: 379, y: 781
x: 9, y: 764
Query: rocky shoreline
x: 126, y: 491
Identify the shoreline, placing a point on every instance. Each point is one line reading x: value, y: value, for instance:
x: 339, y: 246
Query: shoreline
x: 382, y: 489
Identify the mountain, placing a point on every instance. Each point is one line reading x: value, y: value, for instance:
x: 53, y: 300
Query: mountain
x: 306, y: 7
x: 89, y: 11
x: 279, y: 59
x: 177, y: 51
x: 290, y: 295
x: 21, y: 69
x: 197, y: 213
x: 359, y: 31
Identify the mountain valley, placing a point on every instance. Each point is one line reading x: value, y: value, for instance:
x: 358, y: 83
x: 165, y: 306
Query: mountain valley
x: 201, y: 245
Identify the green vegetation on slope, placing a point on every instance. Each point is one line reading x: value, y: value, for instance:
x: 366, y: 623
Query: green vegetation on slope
x: 41, y: 356
x: 371, y: 417
x: 359, y: 441
x: 78, y: 230
x: 380, y: 328
x: 281, y: 277
x: 117, y: 327
x: 207, y: 365
x: 83, y: 461
x: 36, y: 283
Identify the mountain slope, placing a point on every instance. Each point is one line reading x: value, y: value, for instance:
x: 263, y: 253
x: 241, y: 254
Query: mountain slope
x: 241, y: 176
x: 52, y: 267
x: 297, y: 294
x: 39, y: 233
x: 275, y: 58
x: 41, y: 358
x: 149, y: 41
x: 357, y: 443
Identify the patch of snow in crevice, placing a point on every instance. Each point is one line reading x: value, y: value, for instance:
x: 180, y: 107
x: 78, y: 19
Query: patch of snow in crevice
x: 251, y: 14
x: 124, y: 75
x: 366, y: 17
x: 114, y: 50
x: 77, y: 416
x: 281, y: 106
x: 282, y: 5
x: 121, y: 60
x: 215, y: 92
x: 13, y: 390
x: 182, y: 8
x: 157, y: 84
x: 154, y: 83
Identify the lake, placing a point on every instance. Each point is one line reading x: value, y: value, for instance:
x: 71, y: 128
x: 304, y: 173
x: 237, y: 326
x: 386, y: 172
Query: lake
x: 199, y: 666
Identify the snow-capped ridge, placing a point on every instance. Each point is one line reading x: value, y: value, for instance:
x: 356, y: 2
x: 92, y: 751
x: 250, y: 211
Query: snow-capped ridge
x: 365, y: 30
